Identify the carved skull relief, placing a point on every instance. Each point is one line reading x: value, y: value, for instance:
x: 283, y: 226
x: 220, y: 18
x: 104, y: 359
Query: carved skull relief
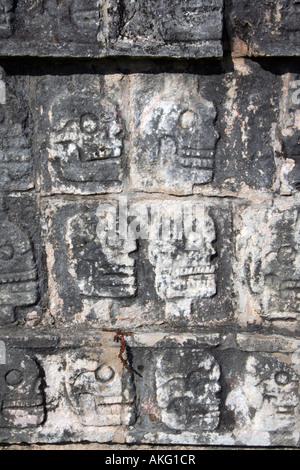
x: 176, y: 141
x: 270, y: 263
x: 182, y: 256
x: 268, y: 397
x: 18, y: 275
x: 86, y: 143
x: 94, y: 388
x: 16, y: 165
x: 101, y: 264
x: 21, y: 392
x: 187, y: 383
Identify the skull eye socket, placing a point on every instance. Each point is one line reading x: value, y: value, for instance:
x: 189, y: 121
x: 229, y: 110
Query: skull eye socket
x: 104, y: 374
x: 6, y: 252
x: 189, y: 119
x: 282, y: 378
x: 14, y: 378
x: 89, y: 123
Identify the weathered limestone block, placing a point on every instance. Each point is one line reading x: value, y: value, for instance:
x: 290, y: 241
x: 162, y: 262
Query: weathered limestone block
x: 95, y: 268
x: 22, y: 394
x: 179, y: 29
x: 95, y: 389
x: 187, y: 389
x: 216, y: 388
x: 271, y: 30
x: 89, y: 395
x: 19, y: 285
x: 181, y: 251
x: 65, y: 28
x: 264, y: 396
x: 289, y: 128
x: 181, y: 396
x: 82, y: 135
x: 96, y: 28
x: 16, y: 156
x: 56, y: 388
x: 267, y: 266
x: 208, y: 135
x: 138, y: 263
x: 175, y: 136
x: 173, y: 133
x: 101, y: 263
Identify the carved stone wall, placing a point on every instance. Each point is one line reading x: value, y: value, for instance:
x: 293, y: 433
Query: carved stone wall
x: 150, y: 222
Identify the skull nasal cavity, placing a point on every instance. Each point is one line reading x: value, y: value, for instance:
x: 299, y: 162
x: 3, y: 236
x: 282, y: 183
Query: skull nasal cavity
x: 89, y: 123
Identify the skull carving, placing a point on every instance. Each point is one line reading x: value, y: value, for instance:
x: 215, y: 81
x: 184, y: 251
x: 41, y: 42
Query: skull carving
x: 270, y: 261
x: 176, y: 141
x: 187, y: 384
x: 16, y: 165
x: 269, y: 394
x: 94, y: 389
x: 18, y: 275
x: 21, y: 392
x: 101, y: 263
x: 183, y: 257
x: 86, y: 143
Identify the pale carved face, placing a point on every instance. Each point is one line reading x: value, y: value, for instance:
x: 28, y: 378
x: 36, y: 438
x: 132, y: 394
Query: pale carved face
x: 179, y: 139
x: 94, y: 389
x: 88, y: 141
x: 184, y: 268
x: 21, y: 395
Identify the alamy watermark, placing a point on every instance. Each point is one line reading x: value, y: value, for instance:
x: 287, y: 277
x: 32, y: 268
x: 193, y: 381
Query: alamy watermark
x: 2, y: 353
x: 167, y: 222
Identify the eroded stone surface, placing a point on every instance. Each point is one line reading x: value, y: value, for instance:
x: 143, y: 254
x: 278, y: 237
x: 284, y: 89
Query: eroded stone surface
x: 187, y: 390
x: 272, y: 30
x: 137, y: 264
x: 22, y: 394
x: 18, y: 270
x: 6, y: 9
x: 181, y: 251
x: 268, y: 265
x: 196, y: 394
x: 290, y: 134
x: 85, y: 137
x: 109, y: 27
x: 95, y: 390
x: 192, y: 28
x: 16, y: 153
x: 175, y: 137
x: 63, y: 28
x: 270, y: 388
